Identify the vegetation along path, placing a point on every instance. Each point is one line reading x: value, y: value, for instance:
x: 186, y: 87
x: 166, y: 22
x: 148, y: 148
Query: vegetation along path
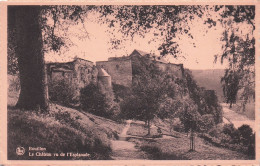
x: 236, y: 118
x: 125, y: 150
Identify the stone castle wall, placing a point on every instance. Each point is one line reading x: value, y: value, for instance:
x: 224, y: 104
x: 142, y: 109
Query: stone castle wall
x: 81, y: 72
x: 120, y: 70
x: 175, y: 69
x: 78, y: 73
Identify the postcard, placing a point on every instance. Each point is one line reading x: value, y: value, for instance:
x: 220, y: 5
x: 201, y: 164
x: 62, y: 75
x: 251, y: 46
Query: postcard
x: 129, y: 83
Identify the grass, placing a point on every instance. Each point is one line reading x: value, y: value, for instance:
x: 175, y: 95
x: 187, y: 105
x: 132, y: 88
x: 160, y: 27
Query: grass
x: 62, y: 130
x: 139, y: 129
x: 177, y: 148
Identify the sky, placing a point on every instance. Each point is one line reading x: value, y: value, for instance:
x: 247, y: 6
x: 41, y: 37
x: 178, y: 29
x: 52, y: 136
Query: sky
x: 96, y: 46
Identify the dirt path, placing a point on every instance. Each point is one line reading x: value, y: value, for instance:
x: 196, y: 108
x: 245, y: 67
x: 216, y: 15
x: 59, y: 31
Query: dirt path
x: 124, y: 150
x: 236, y: 118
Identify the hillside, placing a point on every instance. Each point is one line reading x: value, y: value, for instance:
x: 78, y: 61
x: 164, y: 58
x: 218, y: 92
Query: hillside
x: 73, y: 132
x: 78, y: 135
x: 210, y: 79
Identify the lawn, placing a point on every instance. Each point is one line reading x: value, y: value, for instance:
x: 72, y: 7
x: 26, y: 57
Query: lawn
x: 138, y: 128
x: 176, y: 147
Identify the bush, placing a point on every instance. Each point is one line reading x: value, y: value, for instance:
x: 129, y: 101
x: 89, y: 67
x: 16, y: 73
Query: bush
x: 215, y: 131
x: 93, y: 100
x: 206, y: 122
x: 246, y: 133
x: 178, y: 126
x: 62, y: 92
x: 225, y: 138
x: 154, y: 151
x: 121, y: 92
x: 228, y: 129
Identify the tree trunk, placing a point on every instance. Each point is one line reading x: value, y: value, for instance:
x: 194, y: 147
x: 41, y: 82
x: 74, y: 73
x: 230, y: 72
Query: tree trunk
x: 33, y: 78
x: 149, y: 128
x: 230, y: 105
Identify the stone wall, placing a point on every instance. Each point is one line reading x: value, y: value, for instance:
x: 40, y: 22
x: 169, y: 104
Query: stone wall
x: 84, y: 73
x: 176, y: 69
x: 78, y: 73
x: 120, y: 70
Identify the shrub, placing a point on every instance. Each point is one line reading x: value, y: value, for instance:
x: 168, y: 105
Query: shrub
x: 178, y: 126
x: 228, y: 129
x: 62, y: 92
x: 225, y: 138
x: 206, y: 122
x: 93, y: 100
x: 246, y: 133
x: 215, y: 131
x: 153, y: 150
x: 251, y: 146
x: 121, y: 92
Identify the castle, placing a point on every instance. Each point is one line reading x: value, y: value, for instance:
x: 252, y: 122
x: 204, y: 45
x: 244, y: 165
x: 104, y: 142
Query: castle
x: 117, y: 70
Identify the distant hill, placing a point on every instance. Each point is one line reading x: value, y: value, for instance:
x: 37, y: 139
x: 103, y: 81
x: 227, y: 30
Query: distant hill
x: 210, y: 79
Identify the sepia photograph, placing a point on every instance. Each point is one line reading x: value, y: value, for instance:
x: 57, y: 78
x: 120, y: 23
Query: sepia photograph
x: 131, y: 82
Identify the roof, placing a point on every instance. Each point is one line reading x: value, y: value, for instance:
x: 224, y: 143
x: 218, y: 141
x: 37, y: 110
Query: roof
x: 66, y: 62
x: 155, y: 57
x: 142, y: 53
x: 77, y: 58
x: 102, y: 73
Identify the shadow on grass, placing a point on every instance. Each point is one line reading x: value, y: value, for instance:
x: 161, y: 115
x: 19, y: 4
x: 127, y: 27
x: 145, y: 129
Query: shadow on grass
x: 156, y: 153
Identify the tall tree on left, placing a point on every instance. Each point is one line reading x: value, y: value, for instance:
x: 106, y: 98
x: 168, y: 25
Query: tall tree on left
x: 24, y: 20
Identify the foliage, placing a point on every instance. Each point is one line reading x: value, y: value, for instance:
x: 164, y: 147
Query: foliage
x: 93, y: 100
x: 229, y: 129
x: 154, y: 93
x: 190, y: 116
x: 12, y: 59
x: 165, y: 24
x: 178, y: 126
x: 229, y: 136
x: 62, y: 91
x: 215, y: 131
x: 246, y: 133
x: 169, y: 108
x: 55, y: 22
x: 239, y: 51
x: 206, y: 122
x: 121, y: 92
x: 206, y: 100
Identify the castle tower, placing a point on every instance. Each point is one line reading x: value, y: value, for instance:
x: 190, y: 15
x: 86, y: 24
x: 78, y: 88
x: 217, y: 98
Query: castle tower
x: 104, y: 78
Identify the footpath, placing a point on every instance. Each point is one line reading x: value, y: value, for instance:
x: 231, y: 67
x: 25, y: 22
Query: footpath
x: 125, y: 150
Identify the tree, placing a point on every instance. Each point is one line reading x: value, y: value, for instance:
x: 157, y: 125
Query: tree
x: 62, y: 91
x: 166, y: 23
x: 190, y: 116
x: 30, y: 56
x: 95, y: 100
x: 205, y: 100
x: 149, y: 91
x: 239, y: 50
x: 230, y: 86
x: 26, y: 26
